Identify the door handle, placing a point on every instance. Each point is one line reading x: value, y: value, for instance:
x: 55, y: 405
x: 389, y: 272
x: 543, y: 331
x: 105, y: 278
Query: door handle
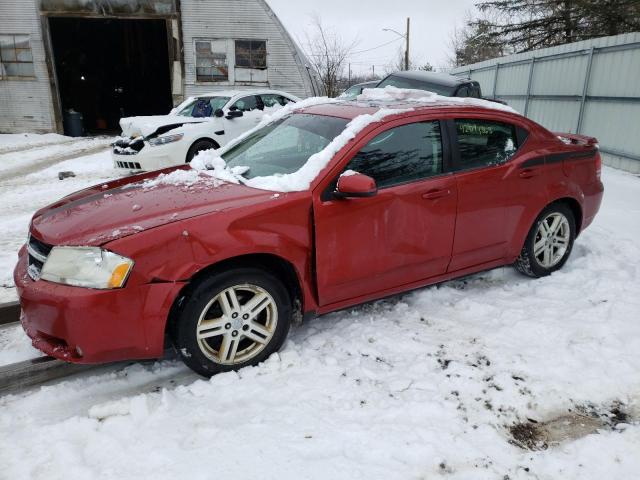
x: 528, y: 173
x: 438, y: 193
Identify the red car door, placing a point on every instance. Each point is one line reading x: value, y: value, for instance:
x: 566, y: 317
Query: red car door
x: 401, y: 235
x: 495, y: 189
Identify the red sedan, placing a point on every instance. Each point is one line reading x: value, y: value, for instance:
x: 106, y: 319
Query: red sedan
x: 423, y: 194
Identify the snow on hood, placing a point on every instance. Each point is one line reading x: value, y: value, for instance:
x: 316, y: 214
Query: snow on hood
x: 395, y: 94
x: 103, y: 213
x: 144, y: 126
x: 301, y: 179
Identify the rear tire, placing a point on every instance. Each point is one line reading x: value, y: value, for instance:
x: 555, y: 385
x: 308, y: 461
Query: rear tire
x: 198, y: 147
x: 232, y: 320
x: 549, y: 242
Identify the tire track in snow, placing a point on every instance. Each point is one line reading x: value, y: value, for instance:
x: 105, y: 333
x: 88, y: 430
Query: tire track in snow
x: 70, y: 151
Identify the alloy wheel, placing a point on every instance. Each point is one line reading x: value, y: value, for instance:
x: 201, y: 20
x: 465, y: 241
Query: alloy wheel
x: 237, y: 324
x: 552, y: 240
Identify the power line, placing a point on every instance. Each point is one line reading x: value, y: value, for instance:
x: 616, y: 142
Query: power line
x: 357, y: 52
x: 375, y: 48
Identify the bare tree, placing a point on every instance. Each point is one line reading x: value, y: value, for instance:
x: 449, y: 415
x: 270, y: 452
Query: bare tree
x: 398, y: 64
x: 328, y: 53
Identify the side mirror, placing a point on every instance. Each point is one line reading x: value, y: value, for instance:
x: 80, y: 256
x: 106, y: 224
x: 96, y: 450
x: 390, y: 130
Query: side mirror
x: 234, y: 114
x: 218, y: 113
x: 355, y: 185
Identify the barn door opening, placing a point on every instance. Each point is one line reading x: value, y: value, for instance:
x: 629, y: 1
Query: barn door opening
x: 109, y: 68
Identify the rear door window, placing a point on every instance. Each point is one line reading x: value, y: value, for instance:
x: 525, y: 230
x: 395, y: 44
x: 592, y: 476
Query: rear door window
x: 272, y: 99
x: 246, y: 104
x: 402, y: 154
x: 462, y: 92
x: 484, y: 143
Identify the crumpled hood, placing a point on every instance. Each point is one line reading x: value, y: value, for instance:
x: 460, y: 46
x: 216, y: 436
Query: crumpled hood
x: 105, y: 212
x: 144, y: 126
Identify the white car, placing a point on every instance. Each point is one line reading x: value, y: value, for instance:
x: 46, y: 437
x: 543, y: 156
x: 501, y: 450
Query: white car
x: 199, y: 123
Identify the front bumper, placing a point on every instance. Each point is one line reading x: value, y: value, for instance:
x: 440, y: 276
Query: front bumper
x: 150, y: 157
x: 83, y: 325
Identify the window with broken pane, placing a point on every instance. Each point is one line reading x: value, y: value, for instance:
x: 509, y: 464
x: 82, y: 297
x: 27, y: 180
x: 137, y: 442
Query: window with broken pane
x: 211, y: 61
x: 16, y: 59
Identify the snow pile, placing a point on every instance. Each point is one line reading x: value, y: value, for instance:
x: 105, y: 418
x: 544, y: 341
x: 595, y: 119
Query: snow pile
x: 395, y: 94
x: 124, y: 150
x: 209, y: 162
x: 177, y: 177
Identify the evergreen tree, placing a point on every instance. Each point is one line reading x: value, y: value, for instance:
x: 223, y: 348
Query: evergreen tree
x: 522, y: 25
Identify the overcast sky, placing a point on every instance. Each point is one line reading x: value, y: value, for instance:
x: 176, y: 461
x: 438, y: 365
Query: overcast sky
x: 431, y: 24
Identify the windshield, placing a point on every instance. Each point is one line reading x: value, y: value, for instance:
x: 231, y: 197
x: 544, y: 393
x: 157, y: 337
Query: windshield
x: 352, y: 92
x: 401, y: 82
x: 203, y: 106
x: 284, y: 146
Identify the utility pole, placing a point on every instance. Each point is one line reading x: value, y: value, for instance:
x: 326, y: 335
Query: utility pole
x: 373, y: 71
x: 349, y: 82
x: 406, y: 38
x: 406, y: 52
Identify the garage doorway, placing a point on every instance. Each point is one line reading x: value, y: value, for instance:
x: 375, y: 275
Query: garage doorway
x: 109, y: 68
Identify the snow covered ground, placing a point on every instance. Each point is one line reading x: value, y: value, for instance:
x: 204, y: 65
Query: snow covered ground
x: 423, y: 385
x: 18, y: 141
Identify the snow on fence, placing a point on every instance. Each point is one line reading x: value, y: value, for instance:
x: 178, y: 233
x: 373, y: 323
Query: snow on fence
x: 589, y: 87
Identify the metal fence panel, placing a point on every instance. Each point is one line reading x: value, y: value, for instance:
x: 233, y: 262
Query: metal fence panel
x: 562, y: 76
x: 511, y: 77
x: 556, y: 115
x: 617, y: 124
x: 589, y: 87
x: 616, y: 74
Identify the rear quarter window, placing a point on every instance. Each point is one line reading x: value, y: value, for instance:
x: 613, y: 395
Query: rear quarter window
x: 484, y: 143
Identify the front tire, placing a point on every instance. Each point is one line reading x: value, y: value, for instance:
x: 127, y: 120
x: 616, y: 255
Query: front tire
x: 232, y: 320
x: 199, y: 146
x: 549, y: 242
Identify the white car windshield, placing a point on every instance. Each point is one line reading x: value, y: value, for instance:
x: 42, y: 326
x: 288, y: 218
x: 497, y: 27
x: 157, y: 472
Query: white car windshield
x: 203, y: 106
x: 352, y: 92
x: 284, y: 146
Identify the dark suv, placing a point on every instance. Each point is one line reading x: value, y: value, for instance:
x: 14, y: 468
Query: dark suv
x: 440, y: 83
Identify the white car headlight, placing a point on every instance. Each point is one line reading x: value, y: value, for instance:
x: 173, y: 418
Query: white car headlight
x: 166, y: 139
x: 90, y: 267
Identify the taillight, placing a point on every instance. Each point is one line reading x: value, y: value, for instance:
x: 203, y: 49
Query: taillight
x: 598, y: 166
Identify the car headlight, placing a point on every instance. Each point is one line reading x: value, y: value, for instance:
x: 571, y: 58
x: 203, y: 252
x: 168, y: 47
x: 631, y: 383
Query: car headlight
x: 90, y: 267
x: 165, y: 139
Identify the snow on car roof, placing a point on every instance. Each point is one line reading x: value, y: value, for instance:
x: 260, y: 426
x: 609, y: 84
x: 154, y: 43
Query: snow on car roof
x: 233, y: 93
x: 372, y: 99
x: 373, y: 105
